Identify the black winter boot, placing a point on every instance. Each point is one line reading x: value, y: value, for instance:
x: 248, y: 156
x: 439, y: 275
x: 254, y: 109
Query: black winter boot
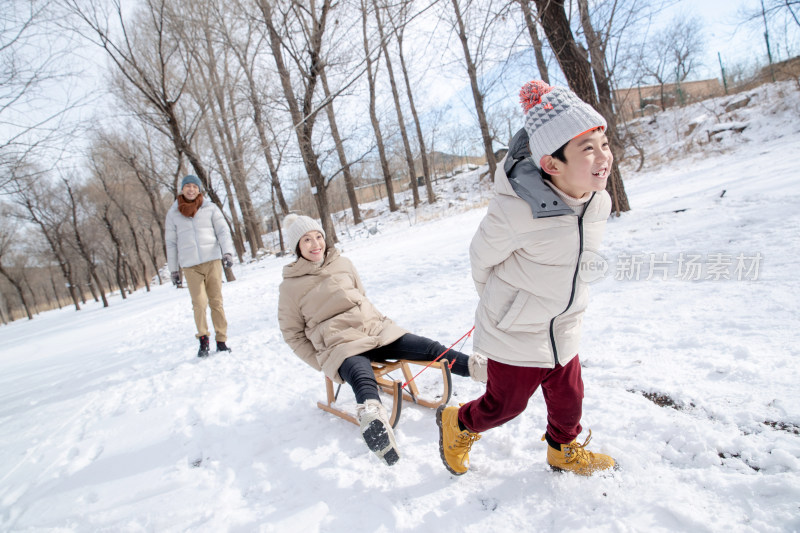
x: 203, y: 351
x: 222, y: 347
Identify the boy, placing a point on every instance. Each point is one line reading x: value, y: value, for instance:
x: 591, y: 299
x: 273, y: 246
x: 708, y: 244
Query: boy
x: 551, y: 205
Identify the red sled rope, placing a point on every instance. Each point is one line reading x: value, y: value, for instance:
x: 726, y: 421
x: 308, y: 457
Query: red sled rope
x: 464, y: 336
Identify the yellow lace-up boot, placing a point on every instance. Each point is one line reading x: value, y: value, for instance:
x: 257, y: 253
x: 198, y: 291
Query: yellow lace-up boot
x: 574, y: 457
x: 454, y: 443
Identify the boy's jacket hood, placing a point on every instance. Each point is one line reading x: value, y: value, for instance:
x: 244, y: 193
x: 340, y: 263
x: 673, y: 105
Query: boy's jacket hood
x: 521, y: 177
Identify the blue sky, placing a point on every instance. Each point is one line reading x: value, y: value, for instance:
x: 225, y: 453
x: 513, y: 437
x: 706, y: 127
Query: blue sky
x: 727, y: 35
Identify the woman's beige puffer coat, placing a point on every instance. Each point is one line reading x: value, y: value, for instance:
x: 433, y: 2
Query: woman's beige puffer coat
x: 525, y: 269
x: 325, y: 316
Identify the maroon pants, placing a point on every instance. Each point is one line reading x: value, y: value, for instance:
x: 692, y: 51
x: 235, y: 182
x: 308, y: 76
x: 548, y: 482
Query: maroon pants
x: 510, y: 387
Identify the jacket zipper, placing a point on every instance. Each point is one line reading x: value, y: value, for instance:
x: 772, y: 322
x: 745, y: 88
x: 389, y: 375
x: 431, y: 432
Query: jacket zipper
x: 196, y: 239
x: 574, y: 282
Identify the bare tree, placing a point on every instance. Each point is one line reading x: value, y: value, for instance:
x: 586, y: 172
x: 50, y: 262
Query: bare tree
x: 401, y: 123
x: 8, y: 231
x: 306, y: 22
x: 399, y: 30
x: 246, y: 45
x: 672, y: 55
x: 50, y: 218
x: 123, y: 204
x: 578, y: 72
x: 118, y: 246
x: 778, y: 13
x: 34, y: 126
x: 373, y: 114
x: 533, y: 31
x: 339, y: 145
x: 215, y: 77
x: 81, y: 245
x: 222, y: 156
x: 477, y: 95
x: 152, y: 64
x: 136, y: 156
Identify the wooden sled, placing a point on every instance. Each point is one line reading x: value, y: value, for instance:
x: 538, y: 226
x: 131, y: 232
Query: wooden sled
x: 393, y: 387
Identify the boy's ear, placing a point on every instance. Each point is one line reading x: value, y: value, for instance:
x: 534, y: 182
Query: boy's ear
x: 549, y: 164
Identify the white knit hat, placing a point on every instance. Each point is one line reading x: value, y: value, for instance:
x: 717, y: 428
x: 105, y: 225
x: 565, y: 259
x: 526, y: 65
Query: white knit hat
x: 295, y: 226
x: 554, y: 116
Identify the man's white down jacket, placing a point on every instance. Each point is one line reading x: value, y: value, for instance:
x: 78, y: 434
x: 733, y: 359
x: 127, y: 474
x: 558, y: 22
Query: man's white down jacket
x: 196, y: 240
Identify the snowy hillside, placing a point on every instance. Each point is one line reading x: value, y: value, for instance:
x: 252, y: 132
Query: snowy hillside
x: 108, y: 421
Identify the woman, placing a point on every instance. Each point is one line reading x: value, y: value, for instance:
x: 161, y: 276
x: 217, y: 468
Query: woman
x: 330, y: 324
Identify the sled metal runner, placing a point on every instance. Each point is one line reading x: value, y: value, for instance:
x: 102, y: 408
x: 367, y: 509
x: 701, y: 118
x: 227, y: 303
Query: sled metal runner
x: 393, y: 387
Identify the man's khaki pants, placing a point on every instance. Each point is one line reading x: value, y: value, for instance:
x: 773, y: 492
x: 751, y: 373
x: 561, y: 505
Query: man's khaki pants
x: 205, y: 287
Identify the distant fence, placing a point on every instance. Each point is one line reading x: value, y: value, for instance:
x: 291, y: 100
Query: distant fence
x: 638, y: 101
x: 377, y: 190
x: 783, y: 70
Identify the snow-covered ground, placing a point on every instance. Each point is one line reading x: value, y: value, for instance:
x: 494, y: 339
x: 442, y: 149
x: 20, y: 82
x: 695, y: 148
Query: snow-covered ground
x: 108, y: 421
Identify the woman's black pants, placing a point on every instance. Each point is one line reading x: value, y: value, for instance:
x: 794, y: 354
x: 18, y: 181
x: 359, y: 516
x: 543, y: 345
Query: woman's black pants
x: 357, y: 371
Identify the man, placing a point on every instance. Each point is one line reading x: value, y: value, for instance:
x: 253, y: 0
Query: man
x: 197, y: 237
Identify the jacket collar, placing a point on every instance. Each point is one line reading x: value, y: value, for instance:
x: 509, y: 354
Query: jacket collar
x: 519, y: 176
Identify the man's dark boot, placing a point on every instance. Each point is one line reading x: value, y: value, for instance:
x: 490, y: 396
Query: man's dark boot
x: 203, y: 351
x: 222, y: 347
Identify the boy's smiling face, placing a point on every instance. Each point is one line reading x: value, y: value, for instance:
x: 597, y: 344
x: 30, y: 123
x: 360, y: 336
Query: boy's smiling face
x: 587, y: 167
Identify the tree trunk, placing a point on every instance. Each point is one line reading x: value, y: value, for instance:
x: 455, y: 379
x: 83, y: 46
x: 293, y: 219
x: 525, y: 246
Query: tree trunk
x: 258, y: 120
x: 530, y: 23
x: 373, y: 115
x: 301, y: 112
x: 18, y: 288
x: 277, y: 223
x: 476, y: 93
x: 401, y: 123
x: 130, y: 275
x: 159, y: 216
x: 423, y: 153
x: 35, y: 308
x: 235, y: 226
x: 578, y: 73
x: 221, y: 103
x: 597, y: 63
x: 239, y: 178
x: 122, y: 211
x: 56, y: 247
x: 152, y: 252
x: 337, y: 140
x: 615, y: 187
x: 55, y: 290
x: 84, y: 252
x: 118, y: 247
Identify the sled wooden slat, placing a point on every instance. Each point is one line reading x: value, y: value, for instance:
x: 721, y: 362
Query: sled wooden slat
x: 395, y: 388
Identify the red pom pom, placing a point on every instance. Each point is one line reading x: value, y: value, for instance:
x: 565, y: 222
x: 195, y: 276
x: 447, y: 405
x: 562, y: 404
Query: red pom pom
x: 531, y: 94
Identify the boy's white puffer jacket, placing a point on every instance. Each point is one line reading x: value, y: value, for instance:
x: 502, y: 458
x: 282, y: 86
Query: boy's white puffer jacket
x: 199, y: 239
x: 525, y: 268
